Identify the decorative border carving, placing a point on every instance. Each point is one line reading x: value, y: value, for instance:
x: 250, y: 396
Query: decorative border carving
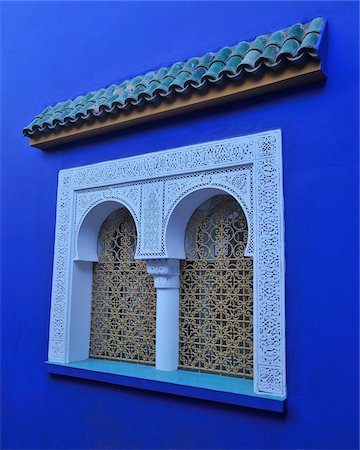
x: 150, y: 186
x: 85, y: 200
x: 165, y: 272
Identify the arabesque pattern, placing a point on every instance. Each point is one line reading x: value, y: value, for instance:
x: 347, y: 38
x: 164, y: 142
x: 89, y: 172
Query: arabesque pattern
x: 123, y: 312
x: 152, y: 186
x: 216, y: 291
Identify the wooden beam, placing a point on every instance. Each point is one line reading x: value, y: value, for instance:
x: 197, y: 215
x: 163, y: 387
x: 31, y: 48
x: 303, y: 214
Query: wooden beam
x: 269, y: 82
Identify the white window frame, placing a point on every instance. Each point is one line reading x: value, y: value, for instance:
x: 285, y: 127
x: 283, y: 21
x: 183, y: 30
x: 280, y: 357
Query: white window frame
x: 162, y: 190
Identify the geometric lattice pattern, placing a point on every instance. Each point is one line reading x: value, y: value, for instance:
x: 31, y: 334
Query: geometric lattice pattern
x: 216, y: 292
x: 248, y: 167
x: 123, y: 309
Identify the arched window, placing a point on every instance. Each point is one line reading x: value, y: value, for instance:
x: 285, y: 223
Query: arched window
x: 123, y: 308
x: 216, y: 291
x: 219, y: 286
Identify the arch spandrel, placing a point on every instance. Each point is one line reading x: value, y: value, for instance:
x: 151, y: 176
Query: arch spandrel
x: 92, y: 207
x: 183, y: 196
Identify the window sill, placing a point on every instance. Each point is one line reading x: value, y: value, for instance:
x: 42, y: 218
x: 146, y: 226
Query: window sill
x: 216, y: 388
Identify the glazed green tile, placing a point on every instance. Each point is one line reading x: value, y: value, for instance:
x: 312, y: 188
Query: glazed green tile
x: 139, y: 88
x: 223, y: 55
x: 58, y: 116
x: 75, y: 111
x: 259, y: 43
x: 233, y: 64
x: 277, y: 38
x: 61, y: 106
x: 316, y: 25
x: 309, y: 41
x: 148, y: 77
x: 197, y: 75
x: 181, y: 79
x: 191, y: 64
x: 270, y: 53
x: 160, y: 74
x: 151, y: 87
x: 206, y: 60
x: 136, y: 80
x: 98, y: 94
x: 164, y: 85
x: 251, y: 57
x: 44, y: 112
x: 296, y: 31
x: 290, y: 44
x: 241, y: 49
x: 290, y: 47
x: 175, y: 69
x: 47, y: 117
x: 214, y: 70
x: 89, y: 104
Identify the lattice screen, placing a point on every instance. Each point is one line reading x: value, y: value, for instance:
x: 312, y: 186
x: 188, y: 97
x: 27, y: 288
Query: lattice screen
x: 123, y: 312
x: 216, y: 292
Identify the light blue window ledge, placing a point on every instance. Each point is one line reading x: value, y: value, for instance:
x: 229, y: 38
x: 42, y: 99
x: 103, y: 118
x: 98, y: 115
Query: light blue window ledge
x: 235, y: 391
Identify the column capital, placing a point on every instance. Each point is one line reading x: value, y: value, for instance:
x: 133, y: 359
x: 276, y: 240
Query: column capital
x: 165, y: 272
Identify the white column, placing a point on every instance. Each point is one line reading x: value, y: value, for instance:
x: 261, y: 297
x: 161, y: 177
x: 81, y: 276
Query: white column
x: 166, y: 280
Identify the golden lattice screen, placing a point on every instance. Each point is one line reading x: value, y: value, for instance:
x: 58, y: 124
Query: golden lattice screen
x: 216, y: 292
x: 123, y: 308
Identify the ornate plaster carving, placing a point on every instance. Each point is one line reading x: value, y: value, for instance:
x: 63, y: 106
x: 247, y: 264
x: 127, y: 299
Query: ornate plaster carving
x: 151, y: 186
x: 165, y: 272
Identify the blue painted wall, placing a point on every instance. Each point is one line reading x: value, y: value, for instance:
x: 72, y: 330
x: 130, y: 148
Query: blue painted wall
x: 54, y: 51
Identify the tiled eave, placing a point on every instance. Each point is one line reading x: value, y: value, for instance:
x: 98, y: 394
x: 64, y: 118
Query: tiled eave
x: 273, y: 62
x: 269, y: 83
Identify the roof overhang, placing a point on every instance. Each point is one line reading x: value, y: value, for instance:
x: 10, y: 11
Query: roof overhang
x: 270, y: 82
x: 273, y: 62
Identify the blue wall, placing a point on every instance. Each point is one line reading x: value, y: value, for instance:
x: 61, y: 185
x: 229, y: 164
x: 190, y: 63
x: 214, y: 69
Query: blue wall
x: 54, y: 51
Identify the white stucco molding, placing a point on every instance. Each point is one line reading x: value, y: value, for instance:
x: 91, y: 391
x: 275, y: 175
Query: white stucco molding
x: 166, y: 273
x: 161, y: 190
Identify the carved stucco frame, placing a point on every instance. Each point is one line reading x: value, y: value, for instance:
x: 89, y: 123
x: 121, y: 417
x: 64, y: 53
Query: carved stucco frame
x: 154, y: 187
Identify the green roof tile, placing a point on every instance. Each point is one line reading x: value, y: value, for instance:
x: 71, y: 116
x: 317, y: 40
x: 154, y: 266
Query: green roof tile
x: 290, y: 47
x: 296, y: 32
x: 293, y: 45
